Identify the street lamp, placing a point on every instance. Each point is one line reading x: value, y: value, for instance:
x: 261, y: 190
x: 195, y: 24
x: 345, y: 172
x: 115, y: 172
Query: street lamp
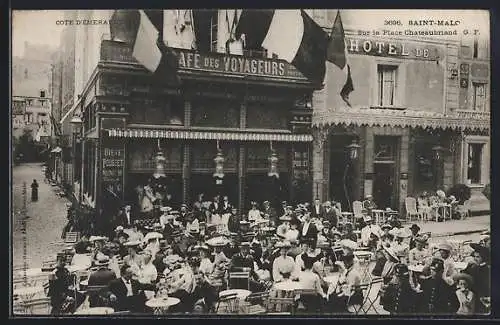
x: 352, y: 151
x: 77, y: 125
x: 273, y: 163
x: 219, y: 165
x: 438, y: 150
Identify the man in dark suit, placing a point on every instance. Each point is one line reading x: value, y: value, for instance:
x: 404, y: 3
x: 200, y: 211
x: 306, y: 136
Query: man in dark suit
x: 124, y: 217
x: 437, y: 297
x: 316, y: 209
x: 215, y: 205
x: 308, y: 232
x: 127, y: 293
x: 243, y: 261
x: 226, y: 206
x: 233, y: 223
x: 330, y: 214
x: 270, y: 213
x: 102, y: 277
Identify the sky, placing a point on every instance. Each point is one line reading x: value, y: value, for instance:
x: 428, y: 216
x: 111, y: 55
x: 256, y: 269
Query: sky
x: 36, y: 27
x: 39, y: 26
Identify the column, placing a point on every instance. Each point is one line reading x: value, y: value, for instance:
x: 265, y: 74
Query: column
x: 368, y: 161
x: 241, y: 178
x: 186, y: 161
x: 241, y: 159
x: 186, y: 174
x: 404, y: 167
x: 319, y: 139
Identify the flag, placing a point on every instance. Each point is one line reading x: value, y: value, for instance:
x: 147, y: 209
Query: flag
x: 178, y: 30
x: 336, y: 54
x: 296, y: 38
x: 143, y: 30
x: 254, y: 24
x: 202, y: 23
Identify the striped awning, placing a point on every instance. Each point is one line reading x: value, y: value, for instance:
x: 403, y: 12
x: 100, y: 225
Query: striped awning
x: 208, y: 135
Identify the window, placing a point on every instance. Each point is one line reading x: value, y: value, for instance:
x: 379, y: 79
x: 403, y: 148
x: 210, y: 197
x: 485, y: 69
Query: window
x: 479, y: 96
x: 28, y: 117
x: 474, y: 162
x: 386, y: 84
x: 475, y: 50
x: 42, y: 93
x: 213, y: 31
x: 29, y: 102
x: 42, y: 102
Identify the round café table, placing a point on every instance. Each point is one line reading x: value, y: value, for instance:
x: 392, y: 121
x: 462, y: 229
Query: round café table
x: 160, y: 305
x: 240, y: 293
x: 95, y: 311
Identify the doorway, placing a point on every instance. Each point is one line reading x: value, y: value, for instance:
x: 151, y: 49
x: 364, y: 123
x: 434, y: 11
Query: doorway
x: 384, y: 185
x: 385, y: 167
x: 342, y: 178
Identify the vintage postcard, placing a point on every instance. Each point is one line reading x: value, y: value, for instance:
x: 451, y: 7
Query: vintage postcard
x: 331, y: 162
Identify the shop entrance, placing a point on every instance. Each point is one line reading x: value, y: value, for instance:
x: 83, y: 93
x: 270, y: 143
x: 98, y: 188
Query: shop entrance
x: 385, y: 167
x: 205, y: 183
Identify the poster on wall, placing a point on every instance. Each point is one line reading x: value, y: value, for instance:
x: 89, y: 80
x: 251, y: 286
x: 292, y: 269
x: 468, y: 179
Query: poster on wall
x: 113, y: 162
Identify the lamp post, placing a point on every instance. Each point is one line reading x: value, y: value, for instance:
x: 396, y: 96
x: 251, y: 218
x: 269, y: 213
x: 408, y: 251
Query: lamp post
x: 77, y: 125
x: 219, y: 166
x: 352, y: 151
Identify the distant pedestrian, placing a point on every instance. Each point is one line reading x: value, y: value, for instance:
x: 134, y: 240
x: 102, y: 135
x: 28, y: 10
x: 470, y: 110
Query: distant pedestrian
x: 34, y: 191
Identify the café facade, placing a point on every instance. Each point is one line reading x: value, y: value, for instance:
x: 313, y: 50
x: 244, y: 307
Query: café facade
x: 254, y: 112
x: 419, y: 121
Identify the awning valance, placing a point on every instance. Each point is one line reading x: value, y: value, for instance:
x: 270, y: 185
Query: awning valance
x: 403, y: 118
x: 208, y: 135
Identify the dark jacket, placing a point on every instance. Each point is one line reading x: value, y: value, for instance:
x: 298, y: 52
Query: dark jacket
x: 319, y: 215
x: 398, y: 298
x: 481, y: 276
x: 58, y: 287
x: 331, y: 216
x: 233, y: 223
x: 132, y: 303
x: 438, y: 297
x: 311, y: 234
x: 271, y: 214
x: 102, y: 276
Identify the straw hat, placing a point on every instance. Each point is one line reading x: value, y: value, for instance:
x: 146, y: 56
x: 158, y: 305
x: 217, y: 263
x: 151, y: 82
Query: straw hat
x: 285, y: 218
x: 102, y: 260
x: 133, y: 243
x: 445, y: 246
x: 283, y: 244
x: 464, y: 276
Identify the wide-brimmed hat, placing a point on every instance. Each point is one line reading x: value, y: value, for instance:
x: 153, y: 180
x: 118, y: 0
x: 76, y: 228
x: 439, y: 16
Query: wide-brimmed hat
x: 244, y: 222
x: 97, y: 238
x: 391, y: 253
x: 403, y: 233
x: 482, y: 250
x: 217, y: 241
x: 283, y: 244
x: 170, y: 217
x: 445, y: 246
x: 152, y: 235
x: 386, y: 226
x: 464, y: 276
x: 415, y: 226
x: 132, y: 243
x: 347, y: 243
x: 171, y: 259
x: 285, y: 218
x: 119, y: 228
x: 165, y: 209
x: 245, y: 244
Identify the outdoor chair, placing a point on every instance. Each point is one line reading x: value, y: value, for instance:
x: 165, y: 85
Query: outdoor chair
x: 35, y: 306
x: 239, y: 280
x: 254, y: 303
x: 71, y: 237
x: 359, y: 308
x: 424, y: 209
x: 357, y: 210
x: 411, y: 209
x: 463, y: 210
x: 229, y: 304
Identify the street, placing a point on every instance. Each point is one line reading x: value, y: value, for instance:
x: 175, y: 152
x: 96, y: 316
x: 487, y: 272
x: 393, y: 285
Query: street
x: 46, y: 217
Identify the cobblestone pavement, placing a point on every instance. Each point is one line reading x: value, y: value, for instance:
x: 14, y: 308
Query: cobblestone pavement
x: 46, y: 219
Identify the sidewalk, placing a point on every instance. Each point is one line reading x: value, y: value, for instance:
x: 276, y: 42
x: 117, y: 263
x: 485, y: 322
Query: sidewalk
x: 455, y: 227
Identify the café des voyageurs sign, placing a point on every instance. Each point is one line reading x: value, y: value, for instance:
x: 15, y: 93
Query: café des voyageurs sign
x: 236, y: 64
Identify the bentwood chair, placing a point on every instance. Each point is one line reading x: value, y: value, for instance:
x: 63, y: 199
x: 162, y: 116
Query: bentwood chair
x: 411, y: 209
x: 280, y: 306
